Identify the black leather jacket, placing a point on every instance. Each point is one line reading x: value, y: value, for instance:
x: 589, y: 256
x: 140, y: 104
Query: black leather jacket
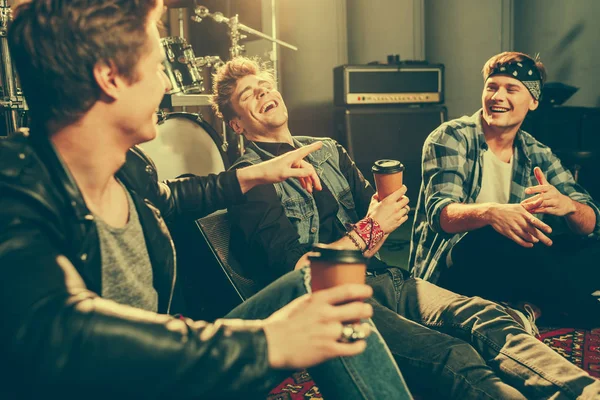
x: 59, y: 336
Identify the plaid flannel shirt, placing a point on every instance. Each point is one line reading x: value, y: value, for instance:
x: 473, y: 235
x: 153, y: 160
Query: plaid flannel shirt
x: 452, y: 169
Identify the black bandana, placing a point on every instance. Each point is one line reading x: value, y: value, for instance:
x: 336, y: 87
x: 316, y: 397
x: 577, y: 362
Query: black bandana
x: 525, y: 71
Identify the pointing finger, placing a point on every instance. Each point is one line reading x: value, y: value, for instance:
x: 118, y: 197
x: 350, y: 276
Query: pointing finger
x: 539, y: 175
x: 306, y: 150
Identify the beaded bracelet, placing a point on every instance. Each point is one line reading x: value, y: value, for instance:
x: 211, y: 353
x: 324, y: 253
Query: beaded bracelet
x: 355, y: 241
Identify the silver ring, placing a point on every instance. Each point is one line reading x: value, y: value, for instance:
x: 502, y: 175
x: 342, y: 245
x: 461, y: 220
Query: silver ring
x: 351, y: 334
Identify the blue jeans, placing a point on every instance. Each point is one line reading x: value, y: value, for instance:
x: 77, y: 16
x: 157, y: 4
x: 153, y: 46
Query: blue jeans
x: 370, y: 375
x: 470, y: 347
x: 561, y: 279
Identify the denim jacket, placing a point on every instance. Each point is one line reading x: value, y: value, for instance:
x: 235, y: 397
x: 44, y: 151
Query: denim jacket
x: 299, y: 204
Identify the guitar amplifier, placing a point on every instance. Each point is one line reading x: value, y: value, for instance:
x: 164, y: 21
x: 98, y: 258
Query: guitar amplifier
x: 371, y: 133
x: 388, y: 84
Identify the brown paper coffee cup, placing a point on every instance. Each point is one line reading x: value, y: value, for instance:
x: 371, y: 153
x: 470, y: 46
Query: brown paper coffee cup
x: 332, y: 267
x: 388, y: 177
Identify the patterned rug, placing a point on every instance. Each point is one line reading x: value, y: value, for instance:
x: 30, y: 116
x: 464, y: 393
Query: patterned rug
x: 580, y: 347
x: 299, y: 386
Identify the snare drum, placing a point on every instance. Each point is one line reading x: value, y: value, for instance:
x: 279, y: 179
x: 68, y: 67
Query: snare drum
x: 180, y: 66
x: 186, y: 144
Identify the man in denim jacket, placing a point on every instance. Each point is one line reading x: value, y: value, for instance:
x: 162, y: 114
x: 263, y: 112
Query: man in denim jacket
x: 498, y: 214
x: 457, y: 347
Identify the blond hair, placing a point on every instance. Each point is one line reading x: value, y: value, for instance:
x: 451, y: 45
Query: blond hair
x: 226, y: 78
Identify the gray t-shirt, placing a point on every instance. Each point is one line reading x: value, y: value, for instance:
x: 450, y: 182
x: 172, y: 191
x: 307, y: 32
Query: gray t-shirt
x: 126, y: 268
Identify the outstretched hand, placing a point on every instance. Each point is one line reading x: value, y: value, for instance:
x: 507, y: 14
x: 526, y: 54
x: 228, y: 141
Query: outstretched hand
x: 307, y: 331
x: 278, y: 169
x: 548, y: 199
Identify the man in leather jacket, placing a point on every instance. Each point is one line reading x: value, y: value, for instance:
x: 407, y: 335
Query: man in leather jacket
x: 84, y: 237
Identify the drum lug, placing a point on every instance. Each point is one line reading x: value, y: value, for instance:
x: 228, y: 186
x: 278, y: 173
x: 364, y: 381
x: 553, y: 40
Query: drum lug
x: 170, y: 54
x: 179, y: 77
x: 161, y: 116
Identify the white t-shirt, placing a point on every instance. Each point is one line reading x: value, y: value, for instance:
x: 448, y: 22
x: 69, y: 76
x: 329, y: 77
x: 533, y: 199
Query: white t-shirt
x: 496, y: 179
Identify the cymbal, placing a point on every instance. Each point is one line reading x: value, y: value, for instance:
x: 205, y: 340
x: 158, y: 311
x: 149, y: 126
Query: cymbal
x: 178, y: 3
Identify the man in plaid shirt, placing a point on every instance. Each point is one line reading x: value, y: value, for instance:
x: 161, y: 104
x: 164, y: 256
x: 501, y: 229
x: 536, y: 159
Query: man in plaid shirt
x: 498, y: 214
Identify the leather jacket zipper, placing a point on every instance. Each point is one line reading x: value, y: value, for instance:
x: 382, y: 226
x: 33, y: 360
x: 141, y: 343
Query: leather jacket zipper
x: 174, y: 275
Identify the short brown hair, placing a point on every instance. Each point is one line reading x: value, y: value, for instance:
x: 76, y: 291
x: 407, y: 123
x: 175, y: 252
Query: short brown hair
x: 225, y: 81
x: 509, y: 57
x: 56, y: 44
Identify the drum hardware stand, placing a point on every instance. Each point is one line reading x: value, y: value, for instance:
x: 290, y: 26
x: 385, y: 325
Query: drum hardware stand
x: 181, y: 34
x: 214, y: 62
x: 161, y: 115
x: 236, y: 48
x: 209, y: 61
x: 12, y: 101
x: 235, y: 27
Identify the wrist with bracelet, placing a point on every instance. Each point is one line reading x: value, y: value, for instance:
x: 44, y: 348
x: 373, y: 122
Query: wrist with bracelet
x: 369, y: 231
x: 356, y: 239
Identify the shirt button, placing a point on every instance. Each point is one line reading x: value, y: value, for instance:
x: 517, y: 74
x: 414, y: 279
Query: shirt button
x: 149, y: 169
x: 313, y: 230
x: 83, y: 257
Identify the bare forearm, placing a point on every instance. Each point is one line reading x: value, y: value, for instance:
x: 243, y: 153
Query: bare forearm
x: 583, y: 220
x: 457, y: 217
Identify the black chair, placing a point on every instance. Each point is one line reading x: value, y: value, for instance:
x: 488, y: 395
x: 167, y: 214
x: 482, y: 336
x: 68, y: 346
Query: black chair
x: 213, y: 280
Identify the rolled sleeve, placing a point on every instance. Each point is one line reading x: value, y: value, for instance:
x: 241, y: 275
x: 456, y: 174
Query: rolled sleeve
x: 558, y: 176
x: 444, y: 173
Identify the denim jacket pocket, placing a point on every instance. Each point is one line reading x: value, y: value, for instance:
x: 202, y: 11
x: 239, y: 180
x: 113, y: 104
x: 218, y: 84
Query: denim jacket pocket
x: 347, y: 201
x: 300, y: 212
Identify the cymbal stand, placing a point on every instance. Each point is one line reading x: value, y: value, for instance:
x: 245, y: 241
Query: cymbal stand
x: 12, y: 100
x: 235, y: 27
x: 235, y: 35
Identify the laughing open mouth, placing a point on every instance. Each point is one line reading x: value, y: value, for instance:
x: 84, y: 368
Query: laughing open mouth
x: 268, y: 106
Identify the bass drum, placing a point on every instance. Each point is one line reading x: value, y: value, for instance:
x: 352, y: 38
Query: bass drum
x: 186, y: 144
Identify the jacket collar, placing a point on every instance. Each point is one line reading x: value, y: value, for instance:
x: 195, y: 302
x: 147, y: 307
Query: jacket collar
x: 315, y: 158
x: 61, y: 176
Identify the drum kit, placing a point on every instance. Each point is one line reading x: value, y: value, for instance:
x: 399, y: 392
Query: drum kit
x: 186, y: 143
x: 12, y: 104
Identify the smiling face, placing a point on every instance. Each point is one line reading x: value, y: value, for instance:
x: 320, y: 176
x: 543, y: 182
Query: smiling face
x: 259, y: 108
x: 138, y: 102
x: 506, y: 102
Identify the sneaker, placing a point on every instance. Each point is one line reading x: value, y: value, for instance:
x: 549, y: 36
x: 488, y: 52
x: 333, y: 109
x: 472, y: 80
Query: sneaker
x: 525, y: 318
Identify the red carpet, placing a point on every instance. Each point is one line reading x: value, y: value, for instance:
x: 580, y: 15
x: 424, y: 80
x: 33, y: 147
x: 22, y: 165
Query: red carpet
x: 580, y: 347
